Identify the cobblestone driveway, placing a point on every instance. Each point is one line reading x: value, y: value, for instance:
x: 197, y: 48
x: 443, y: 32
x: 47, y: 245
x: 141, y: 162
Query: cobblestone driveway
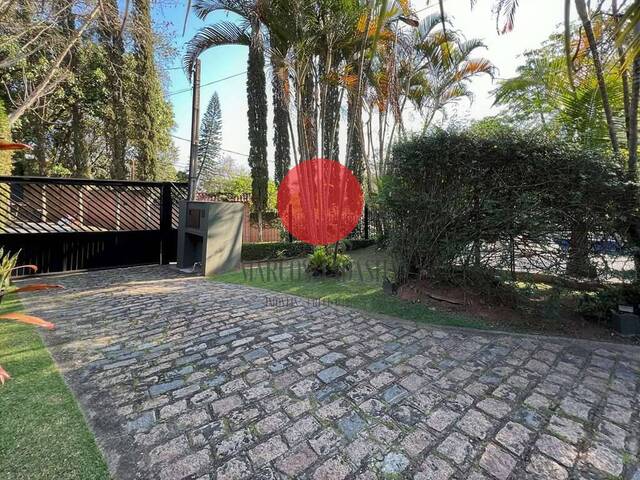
x: 182, y: 377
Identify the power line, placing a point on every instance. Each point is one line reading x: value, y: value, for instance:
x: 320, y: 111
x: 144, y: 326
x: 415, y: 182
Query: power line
x: 207, y: 84
x: 223, y: 149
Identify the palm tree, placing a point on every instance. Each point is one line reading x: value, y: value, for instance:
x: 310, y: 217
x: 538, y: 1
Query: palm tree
x: 272, y: 20
x: 443, y: 67
x: 248, y: 34
x: 585, y: 18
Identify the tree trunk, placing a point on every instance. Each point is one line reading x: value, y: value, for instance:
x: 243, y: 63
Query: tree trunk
x: 633, y: 157
x: 80, y: 155
x: 282, y: 160
x: 633, y: 117
x: 578, y: 264
x: 567, y: 45
x: 40, y: 151
x: 331, y: 117
x: 624, y: 74
x: 597, y: 63
x: 355, y: 155
x: 308, y: 117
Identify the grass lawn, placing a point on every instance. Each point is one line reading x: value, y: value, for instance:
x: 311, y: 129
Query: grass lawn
x: 43, y: 434
x: 362, y: 289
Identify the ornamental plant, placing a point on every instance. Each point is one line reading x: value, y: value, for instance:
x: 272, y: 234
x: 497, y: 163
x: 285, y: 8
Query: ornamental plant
x: 324, y: 262
x: 8, y: 265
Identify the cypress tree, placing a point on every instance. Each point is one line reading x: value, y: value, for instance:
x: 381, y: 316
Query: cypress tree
x: 210, y: 140
x: 147, y: 96
x: 116, y: 121
x: 257, y: 113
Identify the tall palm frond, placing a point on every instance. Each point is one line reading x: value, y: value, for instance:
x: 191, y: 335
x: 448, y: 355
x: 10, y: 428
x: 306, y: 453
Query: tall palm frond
x: 222, y: 33
x: 202, y: 8
x: 628, y: 35
x: 429, y: 23
x: 581, y: 113
x: 473, y: 66
x: 505, y: 11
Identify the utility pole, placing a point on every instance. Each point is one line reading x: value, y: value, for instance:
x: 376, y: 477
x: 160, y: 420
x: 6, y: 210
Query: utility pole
x: 195, y: 131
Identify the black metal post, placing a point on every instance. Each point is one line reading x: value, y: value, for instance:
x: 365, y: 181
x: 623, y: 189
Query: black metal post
x: 366, y: 222
x: 166, y: 206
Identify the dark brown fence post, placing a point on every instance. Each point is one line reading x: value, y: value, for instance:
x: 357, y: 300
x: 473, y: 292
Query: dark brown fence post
x: 166, y: 207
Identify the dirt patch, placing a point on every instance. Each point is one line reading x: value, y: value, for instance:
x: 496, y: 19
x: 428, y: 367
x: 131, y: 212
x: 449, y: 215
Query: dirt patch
x: 563, y: 321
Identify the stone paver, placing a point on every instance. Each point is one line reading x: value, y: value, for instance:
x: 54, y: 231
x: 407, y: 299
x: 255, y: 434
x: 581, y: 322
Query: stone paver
x: 182, y: 377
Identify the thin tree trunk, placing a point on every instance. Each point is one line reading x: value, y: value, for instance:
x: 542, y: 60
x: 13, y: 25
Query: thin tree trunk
x: 40, y: 151
x: 624, y: 74
x: 281, y: 141
x: 578, y: 264
x: 355, y: 152
x: 633, y: 117
x: 597, y: 63
x: 567, y: 44
x: 309, y: 115
x: 331, y: 112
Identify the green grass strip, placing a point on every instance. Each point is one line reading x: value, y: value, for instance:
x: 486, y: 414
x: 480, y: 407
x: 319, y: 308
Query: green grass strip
x: 362, y: 291
x: 43, y: 434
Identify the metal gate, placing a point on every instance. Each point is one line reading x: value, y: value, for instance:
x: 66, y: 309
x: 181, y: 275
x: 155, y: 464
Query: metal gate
x: 63, y: 224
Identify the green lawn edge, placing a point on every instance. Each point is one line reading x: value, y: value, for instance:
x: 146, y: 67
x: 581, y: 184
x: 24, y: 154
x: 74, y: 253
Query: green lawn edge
x: 361, y: 295
x: 43, y: 433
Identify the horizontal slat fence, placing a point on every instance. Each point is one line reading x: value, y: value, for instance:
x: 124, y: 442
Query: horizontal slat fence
x: 65, y: 224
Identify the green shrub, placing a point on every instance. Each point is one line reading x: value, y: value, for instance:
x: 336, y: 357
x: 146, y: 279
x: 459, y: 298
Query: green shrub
x: 273, y: 250
x: 495, y: 199
x: 598, y: 305
x: 277, y: 250
x: 323, y: 262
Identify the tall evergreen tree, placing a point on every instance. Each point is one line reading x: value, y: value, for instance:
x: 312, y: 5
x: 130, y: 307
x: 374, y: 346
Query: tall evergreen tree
x: 210, y: 141
x: 116, y: 123
x: 78, y: 162
x: 147, y: 93
x: 257, y: 113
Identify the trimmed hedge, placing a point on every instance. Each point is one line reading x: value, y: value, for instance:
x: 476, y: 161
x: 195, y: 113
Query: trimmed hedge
x: 499, y: 199
x: 276, y: 250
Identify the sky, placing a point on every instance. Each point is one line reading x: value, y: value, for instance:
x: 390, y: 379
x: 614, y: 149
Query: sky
x: 536, y: 20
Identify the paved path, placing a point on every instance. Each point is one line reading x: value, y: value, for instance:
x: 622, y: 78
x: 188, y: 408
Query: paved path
x: 181, y: 377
